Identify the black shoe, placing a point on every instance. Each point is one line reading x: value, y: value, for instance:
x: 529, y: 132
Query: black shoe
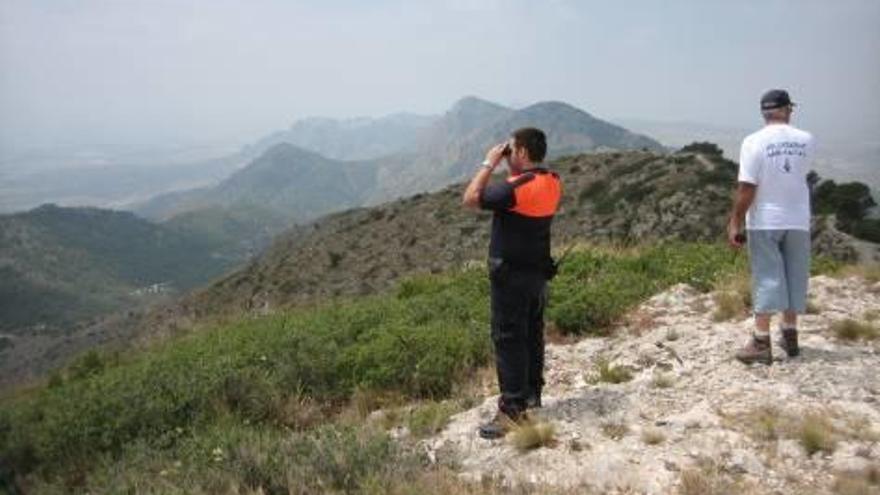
x: 533, y: 401
x: 789, y: 342
x: 500, y: 425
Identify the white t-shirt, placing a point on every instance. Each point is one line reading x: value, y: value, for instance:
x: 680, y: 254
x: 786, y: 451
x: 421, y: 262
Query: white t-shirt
x: 777, y: 159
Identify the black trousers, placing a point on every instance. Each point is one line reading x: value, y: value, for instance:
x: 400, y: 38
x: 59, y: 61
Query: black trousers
x: 518, y: 300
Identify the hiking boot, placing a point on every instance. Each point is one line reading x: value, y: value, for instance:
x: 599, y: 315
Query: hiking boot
x: 789, y: 342
x: 500, y: 425
x: 756, y: 351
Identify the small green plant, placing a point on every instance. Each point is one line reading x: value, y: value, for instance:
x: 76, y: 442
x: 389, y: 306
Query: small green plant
x: 605, y: 372
x: 853, y: 330
x: 429, y: 418
x: 532, y: 434
x: 87, y: 364
x: 55, y: 380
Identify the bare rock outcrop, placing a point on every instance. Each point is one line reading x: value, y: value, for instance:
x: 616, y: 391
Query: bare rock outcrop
x: 691, y: 408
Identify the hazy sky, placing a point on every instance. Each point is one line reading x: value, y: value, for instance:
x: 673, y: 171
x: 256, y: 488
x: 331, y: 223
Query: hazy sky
x: 102, y: 71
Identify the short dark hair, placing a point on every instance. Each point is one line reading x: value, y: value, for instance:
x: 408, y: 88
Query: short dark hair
x: 533, y: 140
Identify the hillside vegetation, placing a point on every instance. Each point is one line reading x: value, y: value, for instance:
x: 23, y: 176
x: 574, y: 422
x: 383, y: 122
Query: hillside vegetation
x: 621, y: 197
x: 61, y: 265
x: 214, y: 410
x: 617, y: 196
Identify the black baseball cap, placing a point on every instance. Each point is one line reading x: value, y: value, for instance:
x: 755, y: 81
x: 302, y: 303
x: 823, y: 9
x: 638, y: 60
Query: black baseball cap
x: 775, y: 98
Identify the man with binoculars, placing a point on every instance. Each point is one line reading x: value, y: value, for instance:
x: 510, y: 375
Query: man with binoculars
x: 519, y: 266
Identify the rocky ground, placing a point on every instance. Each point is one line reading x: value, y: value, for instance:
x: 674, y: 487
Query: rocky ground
x: 692, y: 419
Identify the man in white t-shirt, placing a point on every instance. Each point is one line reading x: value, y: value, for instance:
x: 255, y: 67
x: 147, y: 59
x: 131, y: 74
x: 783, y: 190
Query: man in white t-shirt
x: 773, y: 200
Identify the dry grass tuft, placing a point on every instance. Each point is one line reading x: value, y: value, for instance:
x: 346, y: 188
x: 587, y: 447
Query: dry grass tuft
x: 710, y: 479
x: 615, y: 430
x: 653, y: 436
x: 705, y: 481
x: 766, y: 423
x: 364, y: 401
x: 816, y: 434
x: 532, y: 434
x: 817, y: 431
x: 605, y: 372
x: 733, y: 298
x: 864, y: 482
x: 853, y: 330
x: 662, y: 380
x: 696, y: 482
x: 870, y: 272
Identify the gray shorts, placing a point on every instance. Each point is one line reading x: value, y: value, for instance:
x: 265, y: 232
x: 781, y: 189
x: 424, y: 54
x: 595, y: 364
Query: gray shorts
x: 780, y: 261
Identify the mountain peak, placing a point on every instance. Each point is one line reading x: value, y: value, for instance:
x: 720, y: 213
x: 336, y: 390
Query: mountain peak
x: 473, y: 104
x: 553, y: 106
x: 288, y: 150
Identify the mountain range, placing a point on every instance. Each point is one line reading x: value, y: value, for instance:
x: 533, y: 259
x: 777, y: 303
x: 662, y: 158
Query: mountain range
x: 423, y: 154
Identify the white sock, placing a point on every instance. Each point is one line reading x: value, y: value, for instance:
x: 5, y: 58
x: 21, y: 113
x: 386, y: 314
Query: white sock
x: 761, y: 334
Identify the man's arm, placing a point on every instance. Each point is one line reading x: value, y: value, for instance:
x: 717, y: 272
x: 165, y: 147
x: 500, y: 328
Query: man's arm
x: 473, y: 191
x: 471, y: 197
x: 743, y: 199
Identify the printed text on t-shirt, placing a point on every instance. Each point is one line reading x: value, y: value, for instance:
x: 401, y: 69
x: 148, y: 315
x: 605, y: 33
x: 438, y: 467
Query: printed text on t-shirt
x: 788, y: 148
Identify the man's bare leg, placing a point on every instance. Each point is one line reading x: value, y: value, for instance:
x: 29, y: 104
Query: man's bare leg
x: 762, y: 325
x: 789, y: 319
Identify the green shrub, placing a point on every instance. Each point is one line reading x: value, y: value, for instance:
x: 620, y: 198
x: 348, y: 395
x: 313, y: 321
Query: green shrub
x: 595, y: 288
x: 706, y: 147
x: 329, y: 459
x: 419, y: 345
x: 417, y: 342
x: 592, y: 191
x: 867, y: 229
x: 85, y: 365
